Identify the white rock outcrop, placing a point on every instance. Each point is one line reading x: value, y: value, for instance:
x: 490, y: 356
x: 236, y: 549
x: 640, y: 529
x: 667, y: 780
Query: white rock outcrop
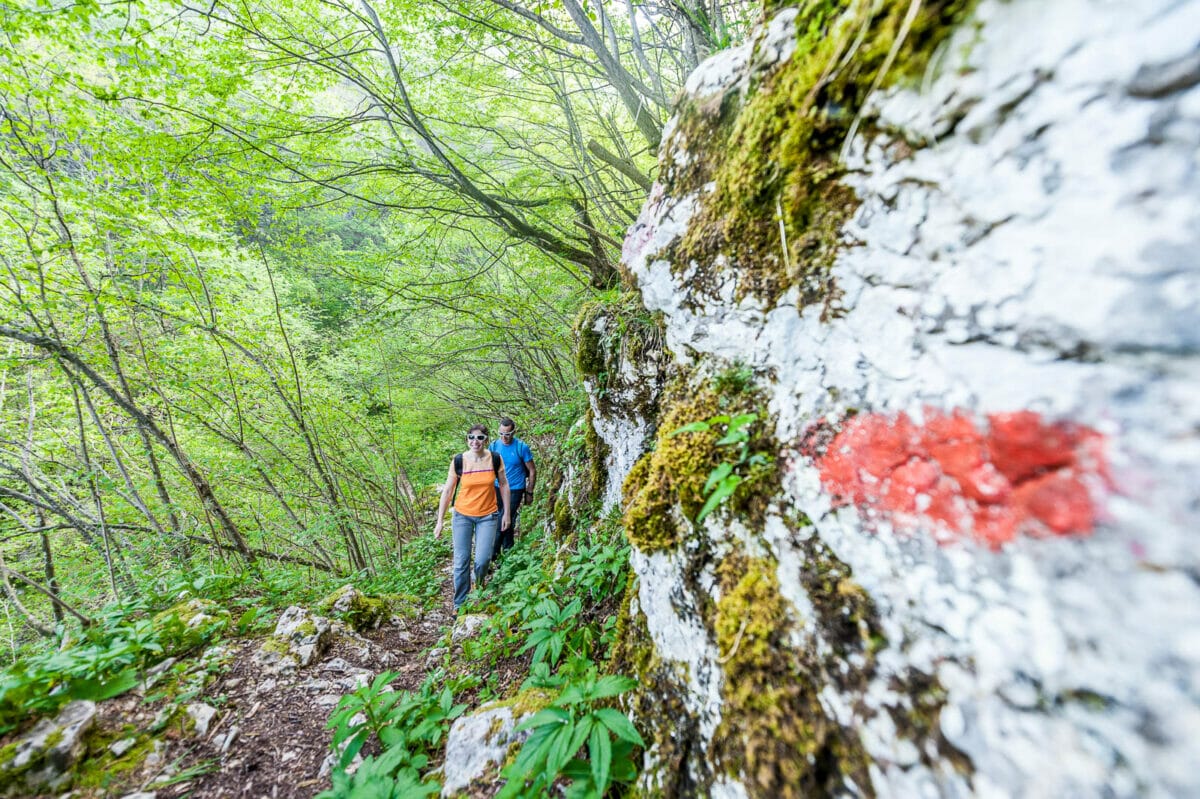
x: 1022, y: 268
x: 477, y: 745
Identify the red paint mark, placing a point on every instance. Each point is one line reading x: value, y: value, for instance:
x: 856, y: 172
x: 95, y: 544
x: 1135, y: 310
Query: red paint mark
x: 1018, y: 474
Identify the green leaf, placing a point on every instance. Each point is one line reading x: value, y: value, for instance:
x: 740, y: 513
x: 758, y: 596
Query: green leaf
x: 621, y: 726
x: 612, y: 685
x: 560, y: 751
x: 550, y: 715
x: 98, y: 689
x: 733, y: 437
x: 716, y: 475
x: 691, y: 427
x: 742, y: 420
x: 600, y: 754
x: 723, y: 491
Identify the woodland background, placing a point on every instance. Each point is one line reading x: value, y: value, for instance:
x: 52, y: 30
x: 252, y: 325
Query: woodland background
x: 261, y: 263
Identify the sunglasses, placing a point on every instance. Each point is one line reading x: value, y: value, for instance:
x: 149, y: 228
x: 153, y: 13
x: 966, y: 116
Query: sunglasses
x: 476, y: 438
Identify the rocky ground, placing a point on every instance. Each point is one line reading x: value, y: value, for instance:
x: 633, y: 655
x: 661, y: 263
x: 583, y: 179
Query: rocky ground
x: 247, y: 718
x: 268, y: 738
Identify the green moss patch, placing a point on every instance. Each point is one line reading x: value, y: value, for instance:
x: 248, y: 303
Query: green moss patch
x: 188, y: 624
x: 103, y: 772
x: 774, y: 735
x: 778, y: 206
x: 597, y: 459
x: 671, y: 479
x: 629, y: 334
x: 360, y: 611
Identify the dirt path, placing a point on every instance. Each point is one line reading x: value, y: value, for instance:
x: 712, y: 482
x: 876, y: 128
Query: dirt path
x: 279, y: 740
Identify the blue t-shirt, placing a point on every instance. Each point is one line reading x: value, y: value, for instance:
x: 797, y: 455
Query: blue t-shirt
x: 515, y: 456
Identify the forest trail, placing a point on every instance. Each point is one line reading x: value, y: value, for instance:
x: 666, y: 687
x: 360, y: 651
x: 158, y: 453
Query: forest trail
x: 281, y: 741
x: 268, y: 736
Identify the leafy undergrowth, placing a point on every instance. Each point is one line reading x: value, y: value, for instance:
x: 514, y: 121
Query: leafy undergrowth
x: 551, y: 614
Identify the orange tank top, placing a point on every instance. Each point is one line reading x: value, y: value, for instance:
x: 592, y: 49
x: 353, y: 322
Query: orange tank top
x: 476, y: 489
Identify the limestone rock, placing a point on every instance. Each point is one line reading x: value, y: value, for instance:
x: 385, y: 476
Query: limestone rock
x: 44, y: 756
x: 477, y: 745
x: 971, y: 356
x: 122, y: 746
x: 468, y: 627
x: 201, y: 716
x: 155, y: 673
x: 299, y: 638
x: 435, y: 655
x: 360, y: 611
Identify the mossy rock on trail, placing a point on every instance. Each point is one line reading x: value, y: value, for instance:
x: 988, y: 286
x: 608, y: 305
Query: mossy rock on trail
x: 364, y: 612
x: 189, y: 623
x: 43, y: 759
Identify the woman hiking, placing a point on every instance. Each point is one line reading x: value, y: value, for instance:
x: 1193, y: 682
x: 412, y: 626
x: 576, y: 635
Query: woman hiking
x: 477, y: 518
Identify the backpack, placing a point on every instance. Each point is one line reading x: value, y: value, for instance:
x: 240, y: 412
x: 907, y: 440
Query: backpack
x: 458, y: 464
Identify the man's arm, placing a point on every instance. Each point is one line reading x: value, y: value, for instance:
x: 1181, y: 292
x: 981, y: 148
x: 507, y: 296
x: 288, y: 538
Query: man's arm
x: 531, y: 476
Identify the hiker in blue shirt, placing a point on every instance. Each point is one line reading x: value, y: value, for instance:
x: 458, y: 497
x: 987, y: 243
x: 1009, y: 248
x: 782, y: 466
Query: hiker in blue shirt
x: 518, y: 465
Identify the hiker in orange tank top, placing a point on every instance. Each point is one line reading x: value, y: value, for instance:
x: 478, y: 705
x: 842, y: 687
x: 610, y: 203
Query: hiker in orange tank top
x: 477, y: 517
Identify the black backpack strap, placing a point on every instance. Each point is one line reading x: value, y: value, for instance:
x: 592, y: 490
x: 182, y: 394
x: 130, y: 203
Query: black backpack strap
x: 458, y: 464
x: 496, y: 464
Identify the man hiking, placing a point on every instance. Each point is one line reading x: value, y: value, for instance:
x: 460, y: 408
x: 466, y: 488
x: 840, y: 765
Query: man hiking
x: 522, y: 473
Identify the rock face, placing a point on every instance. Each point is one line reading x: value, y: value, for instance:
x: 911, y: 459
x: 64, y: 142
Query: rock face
x: 943, y: 268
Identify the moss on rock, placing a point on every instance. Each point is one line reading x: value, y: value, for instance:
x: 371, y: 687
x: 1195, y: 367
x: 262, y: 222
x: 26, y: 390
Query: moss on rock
x: 360, y: 611
x: 774, y: 735
x: 670, y: 480
x: 589, y: 353
x: 597, y: 459
x: 105, y: 773
x: 276, y: 644
x: 778, y: 205
x: 564, y: 519
x: 188, y: 624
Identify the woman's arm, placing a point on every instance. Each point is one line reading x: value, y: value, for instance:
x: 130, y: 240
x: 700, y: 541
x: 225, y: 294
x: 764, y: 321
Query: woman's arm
x: 444, y: 505
x: 506, y: 495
